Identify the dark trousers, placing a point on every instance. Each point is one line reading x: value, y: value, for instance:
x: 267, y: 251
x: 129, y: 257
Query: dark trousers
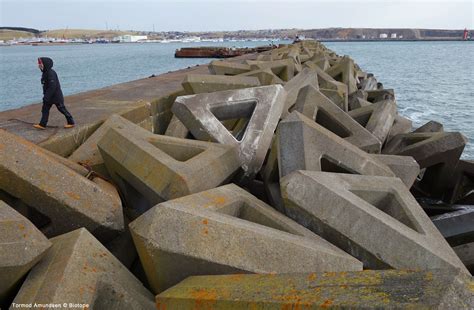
x: 61, y: 108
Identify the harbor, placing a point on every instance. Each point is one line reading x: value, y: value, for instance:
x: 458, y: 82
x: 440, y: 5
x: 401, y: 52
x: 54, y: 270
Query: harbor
x: 277, y: 179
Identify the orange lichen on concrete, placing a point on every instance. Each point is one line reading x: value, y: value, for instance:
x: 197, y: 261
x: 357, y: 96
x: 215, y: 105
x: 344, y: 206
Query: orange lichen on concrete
x: 73, y: 195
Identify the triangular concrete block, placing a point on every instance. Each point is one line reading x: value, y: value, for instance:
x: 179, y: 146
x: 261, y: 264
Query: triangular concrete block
x: 160, y: 167
x: 265, y: 76
x: 79, y: 270
x: 375, y: 219
x: 208, y: 83
x: 305, y: 145
x: 22, y: 245
x: 226, y: 230
x: 284, y: 68
x: 377, y: 118
x: 68, y: 199
x: 293, y: 87
x: 313, y: 104
x: 223, y: 67
x: 344, y: 72
x: 202, y: 115
x: 438, y: 152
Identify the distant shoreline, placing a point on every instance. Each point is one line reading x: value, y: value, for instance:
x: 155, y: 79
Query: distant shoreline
x: 321, y: 40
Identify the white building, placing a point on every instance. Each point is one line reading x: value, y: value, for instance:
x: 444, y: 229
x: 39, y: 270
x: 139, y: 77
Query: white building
x: 128, y: 38
x: 383, y: 36
x: 393, y: 36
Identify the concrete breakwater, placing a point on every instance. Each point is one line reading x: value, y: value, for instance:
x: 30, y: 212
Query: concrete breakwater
x: 266, y: 181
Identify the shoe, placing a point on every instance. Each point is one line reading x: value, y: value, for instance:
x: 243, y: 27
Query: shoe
x: 38, y: 126
x: 69, y: 125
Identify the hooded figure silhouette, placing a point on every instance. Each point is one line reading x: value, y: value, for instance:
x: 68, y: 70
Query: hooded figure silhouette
x: 52, y: 94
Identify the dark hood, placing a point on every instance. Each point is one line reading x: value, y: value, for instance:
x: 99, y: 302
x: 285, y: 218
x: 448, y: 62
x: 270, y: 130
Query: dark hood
x: 47, y: 63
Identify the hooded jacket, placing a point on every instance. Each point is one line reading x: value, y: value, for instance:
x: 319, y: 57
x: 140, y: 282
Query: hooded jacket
x: 52, y: 93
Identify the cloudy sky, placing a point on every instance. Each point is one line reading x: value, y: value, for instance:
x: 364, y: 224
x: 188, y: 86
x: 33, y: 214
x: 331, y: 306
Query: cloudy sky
x: 197, y: 15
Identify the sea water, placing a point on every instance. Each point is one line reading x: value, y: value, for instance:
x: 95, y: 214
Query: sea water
x: 432, y: 80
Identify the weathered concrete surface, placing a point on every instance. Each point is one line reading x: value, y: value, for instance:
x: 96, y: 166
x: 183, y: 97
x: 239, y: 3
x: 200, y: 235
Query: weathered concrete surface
x: 314, y: 105
x: 439, y: 152
x: 88, y: 153
x: 400, y: 125
x: 284, y: 68
x: 227, y: 230
x: 306, y: 77
x: 22, y: 245
x: 68, y: 199
x: 465, y: 252
x: 271, y: 178
x: 265, y: 76
x: 205, y: 83
x: 202, y: 115
x: 222, y: 67
x: 159, y: 167
x: 380, y: 95
x: 377, y: 118
x: 305, y: 145
x: 354, y: 211
x: 431, y: 126
x: 79, y: 270
x: 457, y: 227
x: 176, y: 129
x: 344, y: 72
x: 405, y: 167
x: 388, y: 289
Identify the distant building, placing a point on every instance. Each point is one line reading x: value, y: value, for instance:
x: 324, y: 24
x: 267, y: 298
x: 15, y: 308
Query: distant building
x: 383, y: 36
x: 393, y: 36
x: 127, y: 38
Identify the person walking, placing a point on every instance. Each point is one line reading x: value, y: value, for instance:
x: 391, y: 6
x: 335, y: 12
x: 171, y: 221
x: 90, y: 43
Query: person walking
x: 52, y: 94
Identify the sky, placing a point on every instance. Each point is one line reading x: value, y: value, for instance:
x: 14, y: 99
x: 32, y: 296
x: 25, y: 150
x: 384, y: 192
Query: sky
x: 213, y: 15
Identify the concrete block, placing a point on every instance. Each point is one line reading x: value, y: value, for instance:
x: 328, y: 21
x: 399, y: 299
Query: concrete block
x: 400, y: 125
x: 375, y: 219
x: 153, y: 168
x: 344, y: 72
x: 222, y: 67
x: 465, y: 252
x: 357, y: 100
x: 462, y: 183
x: 405, y: 167
x: 22, y: 245
x: 226, y: 230
x: 271, y: 178
x: 79, y: 270
x: 368, y: 83
x: 431, y: 126
x: 314, y: 105
x: 305, y: 145
x: 176, y: 129
x: 68, y: 199
x: 377, y: 118
x: 262, y: 106
x: 284, y: 68
x: 88, y: 153
x: 370, y: 289
x: 438, y: 152
x: 205, y: 83
x: 380, y: 95
x: 457, y: 227
x: 293, y: 87
x: 265, y: 76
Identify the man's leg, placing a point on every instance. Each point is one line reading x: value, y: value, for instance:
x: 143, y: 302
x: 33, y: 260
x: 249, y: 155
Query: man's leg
x: 62, y: 108
x: 45, y: 114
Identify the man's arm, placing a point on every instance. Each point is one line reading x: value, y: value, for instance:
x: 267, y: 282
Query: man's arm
x: 52, y: 83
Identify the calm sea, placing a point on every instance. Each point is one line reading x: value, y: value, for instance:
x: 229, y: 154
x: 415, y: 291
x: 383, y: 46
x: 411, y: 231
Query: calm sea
x: 432, y: 80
